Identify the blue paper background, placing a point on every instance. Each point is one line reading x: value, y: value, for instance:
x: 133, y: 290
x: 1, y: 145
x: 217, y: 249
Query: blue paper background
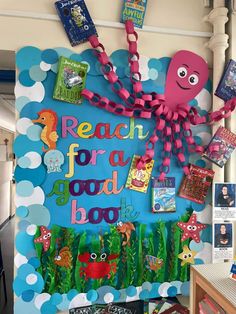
x: 28, y: 107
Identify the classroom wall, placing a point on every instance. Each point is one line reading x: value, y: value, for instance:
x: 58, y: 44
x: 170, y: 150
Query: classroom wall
x: 184, y: 14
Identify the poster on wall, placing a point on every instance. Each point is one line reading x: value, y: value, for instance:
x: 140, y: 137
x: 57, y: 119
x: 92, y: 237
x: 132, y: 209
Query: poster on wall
x: 224, y: 196
x: 223, y: 241
x: 85, y: 238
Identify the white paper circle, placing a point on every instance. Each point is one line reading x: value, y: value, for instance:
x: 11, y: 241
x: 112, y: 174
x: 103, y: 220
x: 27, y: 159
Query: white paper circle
x: 143, y: 67
x: 45, y: 66
x: 79, y: 300
x: 37, y: 197
x: 204, y: 100
x: 205, y: 254
x: 205, y: 216
x: 108, y: 297
x: 31, y: 230
x: 35, y: 159
x: 34, y: 93
x: 31, y: 279
x: 163, y: 289
x: 41, y: 299
x: 23, y: 124
x: 20, y: 260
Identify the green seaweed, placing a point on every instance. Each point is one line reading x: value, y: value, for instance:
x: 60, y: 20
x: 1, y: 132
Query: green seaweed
x: 162, y: 253
x: 174, y: 252
x: 141, y: 237
x: 163, y: 242
x: 113, y: 240
x: 79, y: 279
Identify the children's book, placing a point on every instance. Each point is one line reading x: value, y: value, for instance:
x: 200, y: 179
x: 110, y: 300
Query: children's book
x: 70, y: 80
x: 76, y: 20
x: 134, y: 10
x: 195, y: 186
x: 163, y: 195
x: 138, y: 179
x: 177, y: 309
x: 214, y: 307
x: 233, y: 271
x: 225, y: 142
x: 227, y: 85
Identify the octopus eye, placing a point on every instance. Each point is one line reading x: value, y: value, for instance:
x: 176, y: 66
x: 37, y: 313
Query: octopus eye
x: 189, y: 228
x: 120, y: 224
x: 103, y: 256
x: 182, y: 72
x: 93, y: 256
x: 58, y: 258
x: 193, y: 79
x: 43, y: 118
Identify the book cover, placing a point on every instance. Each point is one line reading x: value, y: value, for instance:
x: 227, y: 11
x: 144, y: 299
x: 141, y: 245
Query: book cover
x: 227, y: 85
x: 226, y: 142
x: 76, y: 20
x: 70, y: 80
x: 177, y: 309
x: 194, y: 186
x: 138, y: 179
x: 216, y: 309
x: 134, y: 10
x: 163, y: 195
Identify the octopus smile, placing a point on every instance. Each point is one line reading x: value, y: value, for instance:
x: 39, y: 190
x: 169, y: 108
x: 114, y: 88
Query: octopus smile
x: 185, y: 88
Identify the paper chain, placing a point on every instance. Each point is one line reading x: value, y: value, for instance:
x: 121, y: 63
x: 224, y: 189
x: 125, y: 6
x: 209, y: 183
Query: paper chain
x: 171, y: 125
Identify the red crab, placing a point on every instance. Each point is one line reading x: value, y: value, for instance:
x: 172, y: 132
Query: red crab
x: 94, y: 269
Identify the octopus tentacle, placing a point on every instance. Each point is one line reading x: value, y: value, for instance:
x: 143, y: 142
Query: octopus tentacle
x: 178, y: 147
x: 166, y: 153
x: 135, y: 75
x: 212, y: 117
x: 187, y: 134
x: 113, y: 107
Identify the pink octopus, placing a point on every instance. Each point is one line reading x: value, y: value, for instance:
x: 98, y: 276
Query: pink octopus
x: 187, y: 74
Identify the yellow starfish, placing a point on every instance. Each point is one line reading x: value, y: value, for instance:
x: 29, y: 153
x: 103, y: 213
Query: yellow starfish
x: 187, y: 256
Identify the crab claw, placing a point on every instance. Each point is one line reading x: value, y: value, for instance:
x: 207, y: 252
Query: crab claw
x: 112, y: 256
x: 84, y: 258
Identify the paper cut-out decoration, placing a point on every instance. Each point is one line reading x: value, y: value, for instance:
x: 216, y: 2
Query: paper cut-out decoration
x: 49, y: 133
x: 187, y: 75
x: 138, y: 179
x: 97, y: 269
x: 187, y: 256
x: 44, y: 238
x: 127, y: 212
x: 70, y: 80
x: 125, y: 229
x: 64, y: 258
x: 191, y: 228
x: 54, y: 159
x: 154, y: 263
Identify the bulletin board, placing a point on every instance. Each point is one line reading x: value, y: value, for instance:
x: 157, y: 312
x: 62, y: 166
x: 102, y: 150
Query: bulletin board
x: 83, y: 208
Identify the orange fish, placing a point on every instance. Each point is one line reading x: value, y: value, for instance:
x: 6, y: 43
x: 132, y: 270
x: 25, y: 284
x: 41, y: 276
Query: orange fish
x: 125, y: 229
x: 154, y: 263
x: 64, y: 258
